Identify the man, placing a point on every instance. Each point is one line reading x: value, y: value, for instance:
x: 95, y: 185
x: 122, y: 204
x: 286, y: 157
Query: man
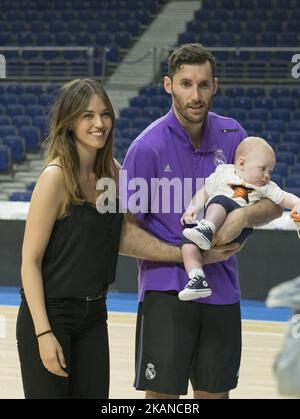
x: 201, y: 340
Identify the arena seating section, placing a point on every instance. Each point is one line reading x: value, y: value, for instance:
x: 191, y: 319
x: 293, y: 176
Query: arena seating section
x: 271, y: 111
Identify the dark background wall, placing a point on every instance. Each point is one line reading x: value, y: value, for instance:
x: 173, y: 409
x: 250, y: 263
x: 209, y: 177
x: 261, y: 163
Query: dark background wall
x: 270, y: 257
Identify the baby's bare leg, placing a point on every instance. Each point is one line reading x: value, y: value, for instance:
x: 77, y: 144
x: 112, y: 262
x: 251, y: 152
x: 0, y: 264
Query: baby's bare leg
x: 192, y: 257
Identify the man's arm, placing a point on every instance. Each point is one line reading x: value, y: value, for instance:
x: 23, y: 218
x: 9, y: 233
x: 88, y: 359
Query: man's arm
x: 254, y: 215
x: 138, y: 243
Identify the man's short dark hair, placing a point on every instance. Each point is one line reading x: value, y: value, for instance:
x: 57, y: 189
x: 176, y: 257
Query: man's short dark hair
x: 190, y: 54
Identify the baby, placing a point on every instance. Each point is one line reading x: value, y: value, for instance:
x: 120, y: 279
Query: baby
x: 230, y: 187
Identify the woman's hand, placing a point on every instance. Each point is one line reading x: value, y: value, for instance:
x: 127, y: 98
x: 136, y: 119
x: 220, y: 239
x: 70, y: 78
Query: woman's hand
x: 51, y: 354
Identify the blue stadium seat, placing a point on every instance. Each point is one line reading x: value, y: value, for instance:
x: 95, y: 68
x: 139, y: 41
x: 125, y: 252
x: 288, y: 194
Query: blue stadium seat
x: 55, y: 26
x: 289, y: 146
x: 37, y: 26
x: 222, y: 102
x: 296, y: 168
x: 134, y: 27
x: 268, y: 38
x: 34, y: 110
x: 292, y: 136
x: 295, y: 191
x: 283, y: 114
x: 130, y: 112
x: 296, y: 115
x: 160, y: 101
x: 286, y: 102
x: 83, y: 39
x: 293, y: 181
x: 122, y: 123
x: 5, y: 120
x: 17, y: 146
x: 113, y: 54
x: 263, y: 103
x: 238, y: 114
x: 45, y: 99
x: 261, y: 114
x: 142, y: 16
x: 149, y: 90
x: 254, y: 125
x: 15, y: 110
x: 275, y: 125
x: 139, y: 101
x: 7, y: 39
x: 41, y: 123
x: 295, y: 92
x: 242, y: 102
x: 123, y: 39
x: 36, y: 89
x: 281, y: 169
x: 32, y: 137
x: 15, y: 88
x: 25, y: 39
x: 21, y: 196
x: 31, y: 186
x: 247, y: 39
x: 255, y: 92
x: 294, y: 126
x: 289, y: 38
x: 131, y: 133
x: 19, y: 120
x: 27, y: 99
x: 278, y: 92
x: 219, y: 110
x: 8, y: 130
x: 152, y: 112
x: 271, y: 136
x: 285, y: 157
x: 253, y: 25
x: 235, y: 92
x: 277, y: 178
x: 5, y: 158
x: 9, y: 99
x: 62, y: 38
x: 141, y: 123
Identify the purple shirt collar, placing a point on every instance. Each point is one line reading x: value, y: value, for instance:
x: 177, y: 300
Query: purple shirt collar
x: 209, y: 143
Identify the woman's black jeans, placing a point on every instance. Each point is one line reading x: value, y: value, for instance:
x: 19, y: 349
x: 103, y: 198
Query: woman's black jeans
x: 81, y: 329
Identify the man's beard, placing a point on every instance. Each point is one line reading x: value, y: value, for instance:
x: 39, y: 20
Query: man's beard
x: 185, y: 114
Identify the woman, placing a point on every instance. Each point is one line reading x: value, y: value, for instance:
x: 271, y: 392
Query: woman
x: 70, y: 253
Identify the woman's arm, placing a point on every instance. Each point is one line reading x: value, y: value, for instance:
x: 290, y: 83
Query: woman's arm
x: 44, y: 209
x: 46, y: 204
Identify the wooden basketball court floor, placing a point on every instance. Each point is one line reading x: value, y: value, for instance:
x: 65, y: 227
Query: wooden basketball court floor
x: 261, y: 342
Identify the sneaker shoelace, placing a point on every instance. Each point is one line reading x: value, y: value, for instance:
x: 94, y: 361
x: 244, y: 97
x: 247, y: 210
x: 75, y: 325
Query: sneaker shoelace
x: 194, y: 280
x: 203, y: 227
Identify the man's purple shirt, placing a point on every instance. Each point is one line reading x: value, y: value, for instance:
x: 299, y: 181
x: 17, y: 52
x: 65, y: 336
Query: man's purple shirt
x: 165, y: 150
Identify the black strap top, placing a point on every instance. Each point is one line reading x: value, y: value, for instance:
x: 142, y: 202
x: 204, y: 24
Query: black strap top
x: 82, y: 253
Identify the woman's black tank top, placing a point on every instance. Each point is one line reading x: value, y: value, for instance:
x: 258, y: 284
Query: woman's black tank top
x: 82, y: 253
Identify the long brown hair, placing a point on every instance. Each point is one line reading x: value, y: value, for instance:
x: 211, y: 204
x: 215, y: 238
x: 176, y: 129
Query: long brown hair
x: 72, y: 101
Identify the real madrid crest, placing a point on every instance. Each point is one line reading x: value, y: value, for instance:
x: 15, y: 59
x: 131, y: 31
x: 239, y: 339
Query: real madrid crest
x: 150, y: 372
x: 219, y: 157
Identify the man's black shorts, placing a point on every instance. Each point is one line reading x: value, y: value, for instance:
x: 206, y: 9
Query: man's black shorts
x: 177, y: 341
